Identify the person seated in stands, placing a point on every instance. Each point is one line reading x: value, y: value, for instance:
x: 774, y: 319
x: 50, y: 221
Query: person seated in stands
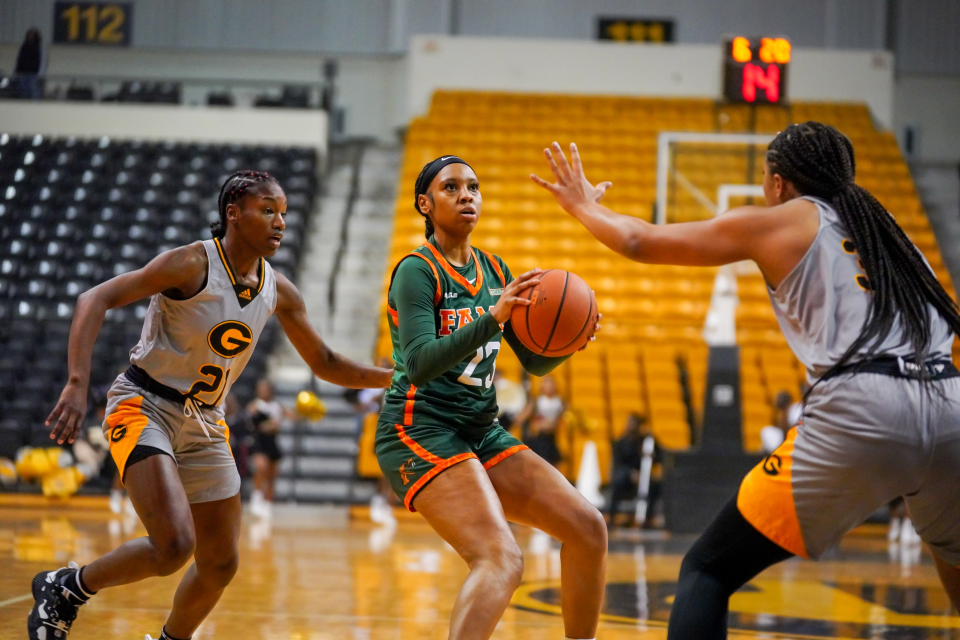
x: 772, y: 436
x: 541, y: 417
x: 625, y: 477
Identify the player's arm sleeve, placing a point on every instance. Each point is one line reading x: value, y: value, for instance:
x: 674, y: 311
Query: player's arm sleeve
x: 424, y: 354
x: 532, y: 362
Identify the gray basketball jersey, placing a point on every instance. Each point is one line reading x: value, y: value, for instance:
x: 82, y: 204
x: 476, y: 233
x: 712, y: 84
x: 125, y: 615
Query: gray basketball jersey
x: 199, y: 346
x: 821, y: 306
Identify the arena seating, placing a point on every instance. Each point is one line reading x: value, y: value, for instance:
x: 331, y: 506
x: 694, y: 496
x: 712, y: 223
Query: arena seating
x: 74, y: 213
x: 650, y: 357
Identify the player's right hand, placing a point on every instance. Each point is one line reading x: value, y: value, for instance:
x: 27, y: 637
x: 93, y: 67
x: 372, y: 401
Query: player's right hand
x: 67, y: 417
x: 509, y: 297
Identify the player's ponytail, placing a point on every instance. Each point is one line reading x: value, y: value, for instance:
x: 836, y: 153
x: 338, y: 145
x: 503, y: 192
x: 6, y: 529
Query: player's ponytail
x: 428, y: 226
x: 819, y: 161
x: 233, y: 189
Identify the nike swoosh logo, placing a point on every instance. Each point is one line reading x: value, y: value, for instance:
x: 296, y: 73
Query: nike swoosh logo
x: 43, y: 614
x: 445, y: 158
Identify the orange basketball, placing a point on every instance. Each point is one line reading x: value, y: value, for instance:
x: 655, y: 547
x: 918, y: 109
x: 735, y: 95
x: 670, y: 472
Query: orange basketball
x: 560, y: 317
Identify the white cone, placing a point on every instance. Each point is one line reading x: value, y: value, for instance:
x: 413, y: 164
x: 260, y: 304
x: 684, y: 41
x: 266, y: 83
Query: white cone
x: 588, y: 480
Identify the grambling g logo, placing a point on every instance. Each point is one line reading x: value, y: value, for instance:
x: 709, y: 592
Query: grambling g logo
x: 229, y: 339
x: 117, y: 433
x: 772, y: 465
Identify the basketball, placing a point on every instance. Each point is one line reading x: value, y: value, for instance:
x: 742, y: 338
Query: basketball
x: 562, y: 312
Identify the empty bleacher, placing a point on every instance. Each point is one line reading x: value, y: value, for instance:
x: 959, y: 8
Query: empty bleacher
x: 74, y: 213
x: 650, y: 357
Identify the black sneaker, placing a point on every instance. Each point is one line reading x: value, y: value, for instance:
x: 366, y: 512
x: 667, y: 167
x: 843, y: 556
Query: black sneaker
x: 53, y: 612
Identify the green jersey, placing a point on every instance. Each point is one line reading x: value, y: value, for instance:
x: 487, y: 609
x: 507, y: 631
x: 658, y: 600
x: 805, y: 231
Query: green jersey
x: 445, y: 342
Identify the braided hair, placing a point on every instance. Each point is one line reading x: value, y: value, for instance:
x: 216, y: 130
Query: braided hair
x: 236, y: 187
x: 819, y: 161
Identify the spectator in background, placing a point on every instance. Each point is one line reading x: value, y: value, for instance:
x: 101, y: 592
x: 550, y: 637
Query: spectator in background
x: 365, y: 402
x: 267, y: 415
x: 772, y: 436
x: 511, y: 399
x: 31, y: 64
x: 628, y: 453
x: 541, y: 417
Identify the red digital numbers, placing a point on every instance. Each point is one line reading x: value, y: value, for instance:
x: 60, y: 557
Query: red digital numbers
x: 755, y: 70
x: 756, y: 77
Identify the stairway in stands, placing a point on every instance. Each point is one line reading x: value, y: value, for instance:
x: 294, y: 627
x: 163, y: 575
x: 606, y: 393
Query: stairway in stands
x: 938, y: 186
x: 340, y: 279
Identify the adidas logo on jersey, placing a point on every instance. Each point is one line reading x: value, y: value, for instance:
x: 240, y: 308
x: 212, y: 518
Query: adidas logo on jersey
x: 245, y: 294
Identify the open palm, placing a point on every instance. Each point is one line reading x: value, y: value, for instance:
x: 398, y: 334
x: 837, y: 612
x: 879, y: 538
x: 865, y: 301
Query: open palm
x: 572, y: 189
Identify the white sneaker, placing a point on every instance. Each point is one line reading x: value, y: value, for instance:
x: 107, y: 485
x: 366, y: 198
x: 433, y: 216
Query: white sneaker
x: 378, y: 509
x: 147, y: 637
x: 116, y: 501
x: 261, y: 509
x: 894, y: 533
x: 908, y: 535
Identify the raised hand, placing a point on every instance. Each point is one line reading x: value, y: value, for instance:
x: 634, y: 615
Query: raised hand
x: 509, y: 298
x: 572, y: 189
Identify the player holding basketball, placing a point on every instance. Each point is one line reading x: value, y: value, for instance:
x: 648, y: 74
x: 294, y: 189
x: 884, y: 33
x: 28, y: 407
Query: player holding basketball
x: 165, y: 422
x: 438, y: 440
x: 862, y: 310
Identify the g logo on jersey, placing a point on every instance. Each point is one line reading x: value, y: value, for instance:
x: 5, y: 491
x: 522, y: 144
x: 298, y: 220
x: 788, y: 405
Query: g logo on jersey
x: 229, y: 339
x: 117, y: 433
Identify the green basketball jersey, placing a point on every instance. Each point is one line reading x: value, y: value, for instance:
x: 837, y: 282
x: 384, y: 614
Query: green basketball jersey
x: 463, y: 397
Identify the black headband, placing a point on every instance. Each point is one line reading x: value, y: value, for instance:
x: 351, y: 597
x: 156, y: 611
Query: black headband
x: 428, y: 173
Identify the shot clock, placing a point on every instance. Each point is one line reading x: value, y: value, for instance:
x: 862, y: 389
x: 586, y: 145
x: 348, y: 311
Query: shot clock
x: 755, y: 70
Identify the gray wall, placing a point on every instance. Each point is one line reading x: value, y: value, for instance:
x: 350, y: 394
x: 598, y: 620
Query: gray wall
x: 926, y: 33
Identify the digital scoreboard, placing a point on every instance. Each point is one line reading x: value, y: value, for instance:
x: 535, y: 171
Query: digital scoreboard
x: 755, y: 70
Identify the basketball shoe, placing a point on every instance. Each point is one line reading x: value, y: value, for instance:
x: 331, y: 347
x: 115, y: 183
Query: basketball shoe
x: 55, y: 603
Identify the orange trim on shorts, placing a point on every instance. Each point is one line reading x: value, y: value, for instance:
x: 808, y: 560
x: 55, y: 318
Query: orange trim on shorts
x: 442, y: 465
x: 408, y: 407
x: 414, y: 446
x: 226, y: 435
x: 766, y: 499
x: 496, y: 266
x: 126, y: 423
x: 503, y: 455
x: 433, y: 267
x: 473, y: 289
x: 396, y: 317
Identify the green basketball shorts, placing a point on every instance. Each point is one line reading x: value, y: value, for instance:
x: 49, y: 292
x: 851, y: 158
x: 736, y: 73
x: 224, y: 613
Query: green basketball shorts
x: 413, y: 455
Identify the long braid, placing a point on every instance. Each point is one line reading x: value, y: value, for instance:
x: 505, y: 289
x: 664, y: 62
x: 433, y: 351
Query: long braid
x: 234, y: 188
x: 819, y: 161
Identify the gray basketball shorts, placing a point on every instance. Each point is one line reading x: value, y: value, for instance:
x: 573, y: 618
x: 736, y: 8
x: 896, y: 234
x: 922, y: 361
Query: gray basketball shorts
x: 864, y: 440
x: 204, y: 460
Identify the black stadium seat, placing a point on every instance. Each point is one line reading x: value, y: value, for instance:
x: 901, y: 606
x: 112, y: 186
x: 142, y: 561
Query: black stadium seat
x: 74, y: 212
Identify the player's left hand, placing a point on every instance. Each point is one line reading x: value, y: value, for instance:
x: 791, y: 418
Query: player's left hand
x: 572, y: 189
x: 67, y: 417
x: 593, y: 332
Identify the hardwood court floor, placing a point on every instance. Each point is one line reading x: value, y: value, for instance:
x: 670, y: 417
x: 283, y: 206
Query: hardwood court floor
x: 314, y: 574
